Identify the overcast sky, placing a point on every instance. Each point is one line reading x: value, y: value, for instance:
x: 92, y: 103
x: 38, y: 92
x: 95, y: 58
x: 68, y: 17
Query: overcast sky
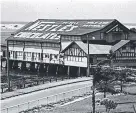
x: 30, y: 10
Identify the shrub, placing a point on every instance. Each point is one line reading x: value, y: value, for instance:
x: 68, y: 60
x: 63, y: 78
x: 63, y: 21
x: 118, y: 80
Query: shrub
x: 109, y: 104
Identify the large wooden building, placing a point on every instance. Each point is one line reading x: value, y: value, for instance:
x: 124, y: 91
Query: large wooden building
x: 49, y: 44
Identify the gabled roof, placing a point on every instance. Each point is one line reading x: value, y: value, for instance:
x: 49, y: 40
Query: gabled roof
x: 93, y: 48
x: 119, y: 45
x: 48, y: 29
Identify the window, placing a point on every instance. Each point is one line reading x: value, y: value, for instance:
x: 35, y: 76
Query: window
x: 132, y: 47
x: 39, y: 56
x: 124, y: 48
x: 46, y: 55
x: 101, y: 35
x: 55, y: 56
x: 28, y: 54
x: 19, y: 53
x: 126, y: 36
x: 48, y: 44
x: 4, y: 53
x: 53, y: 45
x: 35, y: 54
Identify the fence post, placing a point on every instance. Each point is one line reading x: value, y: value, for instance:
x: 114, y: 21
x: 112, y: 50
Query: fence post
x: 47, y: 100
x: 2, y: 90
x: 7, y: 110
x: 134, y: 108
x: 18, y: 108
x: 86, y: 90
x: 28, y: 105
x: 24, y: 85
x: 72, y: 93
x: 79, y: 92
x: 64, y: 96
x: 38, y: 105
x: 56, y: 98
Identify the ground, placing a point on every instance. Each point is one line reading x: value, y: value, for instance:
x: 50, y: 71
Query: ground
x: 125, y: 104
x: 85, y: 106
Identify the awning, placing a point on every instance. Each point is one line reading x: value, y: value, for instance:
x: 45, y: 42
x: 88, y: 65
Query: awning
x: 15, y: 48
x: 32, y: 50
x: 50, y: 51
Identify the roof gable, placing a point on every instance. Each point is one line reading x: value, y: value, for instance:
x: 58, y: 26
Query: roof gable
x: 112, y: 26
x: 93, y: 48
x: 69, y: 44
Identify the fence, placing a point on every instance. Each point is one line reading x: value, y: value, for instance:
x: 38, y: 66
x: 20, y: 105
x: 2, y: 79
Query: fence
x: 20, y: 83
x: 46, y: 100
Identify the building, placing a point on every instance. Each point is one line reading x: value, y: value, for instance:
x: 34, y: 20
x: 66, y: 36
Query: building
x: 58, y: 46
x: 125, y: 52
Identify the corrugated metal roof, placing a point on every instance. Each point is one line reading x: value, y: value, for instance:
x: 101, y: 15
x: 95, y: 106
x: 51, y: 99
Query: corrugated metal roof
x: 119, y: 45
x: 80, y: 31
x: 93, y: 48
x: 50, y: 28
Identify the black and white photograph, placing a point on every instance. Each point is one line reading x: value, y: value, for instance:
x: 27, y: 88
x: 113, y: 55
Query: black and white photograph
x: 68, y: 56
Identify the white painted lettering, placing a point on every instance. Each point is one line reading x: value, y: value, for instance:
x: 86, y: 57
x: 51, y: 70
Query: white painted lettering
x: 56, y: 28
x: 45, y: 27
x: 51, y: 27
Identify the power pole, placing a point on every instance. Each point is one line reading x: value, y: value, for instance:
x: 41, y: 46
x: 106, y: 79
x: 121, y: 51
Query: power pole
x: 8, y: 76
x: 88, y: 58
x: 93, y: 95
x: 88, y: 74
x: 93, y: 86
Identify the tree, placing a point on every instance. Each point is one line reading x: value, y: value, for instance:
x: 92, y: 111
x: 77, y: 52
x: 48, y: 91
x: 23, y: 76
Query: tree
x: 121, y: 75
x: 104, y: 79
x: 96, y: 75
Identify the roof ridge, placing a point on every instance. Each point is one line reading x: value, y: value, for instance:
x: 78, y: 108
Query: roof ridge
x: 78, y: 19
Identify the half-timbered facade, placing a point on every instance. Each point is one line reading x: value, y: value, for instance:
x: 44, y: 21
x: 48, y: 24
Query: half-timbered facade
x: 75, y: 56
x: 125, y: 52
x: 76, y: 53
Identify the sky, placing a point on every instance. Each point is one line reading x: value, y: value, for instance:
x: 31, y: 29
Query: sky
x: 30, y: 10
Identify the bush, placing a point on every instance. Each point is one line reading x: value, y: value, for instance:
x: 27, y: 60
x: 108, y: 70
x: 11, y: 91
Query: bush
x: 109, y: 104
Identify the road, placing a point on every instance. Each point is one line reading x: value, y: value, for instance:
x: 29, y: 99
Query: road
x: 40, y: 94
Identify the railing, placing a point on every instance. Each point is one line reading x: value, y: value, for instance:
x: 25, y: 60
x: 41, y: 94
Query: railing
x: 57, y: 61
x: 47, y: 100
